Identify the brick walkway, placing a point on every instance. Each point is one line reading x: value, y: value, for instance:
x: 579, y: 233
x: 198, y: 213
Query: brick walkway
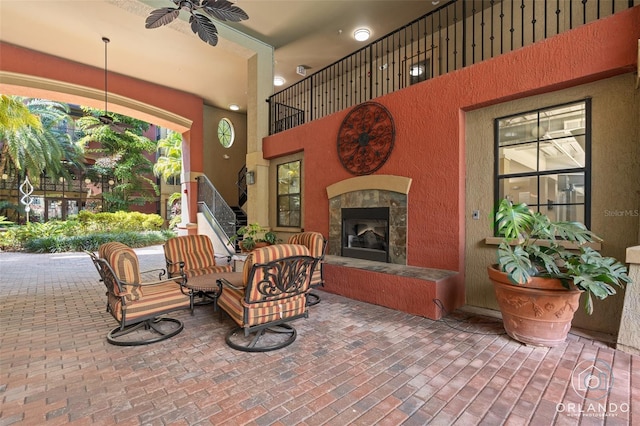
x: 353, y: 363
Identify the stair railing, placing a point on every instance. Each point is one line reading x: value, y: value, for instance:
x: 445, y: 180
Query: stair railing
x: 215, y: 208
x: 241, y: 183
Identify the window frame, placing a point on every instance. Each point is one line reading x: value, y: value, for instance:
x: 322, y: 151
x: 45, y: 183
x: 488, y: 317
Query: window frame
x: 288, y: 195
x: 499, y: 178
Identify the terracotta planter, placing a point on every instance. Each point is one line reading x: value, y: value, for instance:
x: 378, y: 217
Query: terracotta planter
x: 257, y: 245
x: 538, y: 313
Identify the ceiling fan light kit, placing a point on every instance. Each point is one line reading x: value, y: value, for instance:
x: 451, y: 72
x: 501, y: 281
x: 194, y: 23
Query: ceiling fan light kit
x: 201, y: 25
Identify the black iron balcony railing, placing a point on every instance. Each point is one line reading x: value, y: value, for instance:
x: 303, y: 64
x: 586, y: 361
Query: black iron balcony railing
x: 458, y: 34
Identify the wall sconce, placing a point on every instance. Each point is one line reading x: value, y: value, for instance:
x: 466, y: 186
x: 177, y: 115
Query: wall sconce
x: 416, y: 70
x: 251, y: 178
x: 5, y: 176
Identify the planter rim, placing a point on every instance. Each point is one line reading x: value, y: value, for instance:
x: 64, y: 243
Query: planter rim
x: 546, y: 283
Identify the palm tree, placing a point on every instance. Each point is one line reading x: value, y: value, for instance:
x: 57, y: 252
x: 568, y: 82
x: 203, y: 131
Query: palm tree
x: 14, y: 114
x: 169, y: 163
x: 34, y: 138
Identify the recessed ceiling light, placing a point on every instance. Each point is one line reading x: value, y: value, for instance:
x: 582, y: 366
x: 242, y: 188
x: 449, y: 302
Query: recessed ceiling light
x: 361, y: 34
x: 278, y: 81
x: 234, y: 107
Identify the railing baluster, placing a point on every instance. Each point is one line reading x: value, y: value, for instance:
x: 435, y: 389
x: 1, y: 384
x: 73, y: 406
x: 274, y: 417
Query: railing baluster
x: 383, y: 66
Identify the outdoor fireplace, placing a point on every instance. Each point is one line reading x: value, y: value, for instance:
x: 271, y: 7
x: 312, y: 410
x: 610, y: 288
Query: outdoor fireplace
x: 384, y: 201
x: 365, y: 233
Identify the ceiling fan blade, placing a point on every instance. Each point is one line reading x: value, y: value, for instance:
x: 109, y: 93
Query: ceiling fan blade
x: 160, y: 17
x: 224, y: 10
x: 105, y: 119
x: 205, y: 29
x: 119, y: 130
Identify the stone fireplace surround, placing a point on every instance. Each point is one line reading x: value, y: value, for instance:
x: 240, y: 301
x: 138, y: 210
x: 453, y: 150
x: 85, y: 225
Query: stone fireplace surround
x: 371, y: 191
x: 394, y: 285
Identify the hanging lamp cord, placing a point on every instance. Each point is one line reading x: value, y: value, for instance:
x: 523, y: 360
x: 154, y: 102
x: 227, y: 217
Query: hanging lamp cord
x: 106, y: 41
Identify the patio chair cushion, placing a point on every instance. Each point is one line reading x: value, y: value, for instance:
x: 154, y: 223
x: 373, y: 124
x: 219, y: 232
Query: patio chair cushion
x: 316, y: 244
x: 105, y: 249
x: 124, y: 262
x: 164, y: 297
x: 256, y: 308
x: 231, y: 299
x: 266, y: 255
x: 314, y: 241
x: 196, y: 251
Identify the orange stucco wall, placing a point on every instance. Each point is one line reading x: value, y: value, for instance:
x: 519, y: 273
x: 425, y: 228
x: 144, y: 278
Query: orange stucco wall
x: 23, y: 61
x: 430, y: 134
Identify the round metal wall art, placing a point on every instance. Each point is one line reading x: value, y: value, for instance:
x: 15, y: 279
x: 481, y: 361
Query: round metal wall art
x: 366, y: 138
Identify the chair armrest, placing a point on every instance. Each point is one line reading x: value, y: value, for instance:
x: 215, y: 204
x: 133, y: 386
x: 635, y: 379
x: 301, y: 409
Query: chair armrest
x: 179, y: 263
x: 232, y: 280
x: 176, y: 280
x: 224, y: 282
x: 161, y: 272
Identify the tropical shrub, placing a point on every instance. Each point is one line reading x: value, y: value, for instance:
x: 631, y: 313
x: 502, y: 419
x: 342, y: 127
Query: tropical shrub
x: 86, y: 231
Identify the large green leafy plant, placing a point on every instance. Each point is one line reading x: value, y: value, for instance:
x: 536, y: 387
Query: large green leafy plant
x: 533, y: 246
x: 252, y: 234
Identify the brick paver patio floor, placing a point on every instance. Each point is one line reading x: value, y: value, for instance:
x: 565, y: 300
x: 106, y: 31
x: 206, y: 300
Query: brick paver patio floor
x: 353, y: 363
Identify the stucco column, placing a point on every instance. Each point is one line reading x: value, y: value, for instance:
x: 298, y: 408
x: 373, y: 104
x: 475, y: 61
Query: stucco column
x: 260, y: 74
x: 628, y: 334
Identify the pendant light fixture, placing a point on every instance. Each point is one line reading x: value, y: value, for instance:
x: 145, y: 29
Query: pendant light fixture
x: 106, y: 119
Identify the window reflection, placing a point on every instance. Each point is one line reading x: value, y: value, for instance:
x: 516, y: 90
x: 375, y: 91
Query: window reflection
x: 542, y: 159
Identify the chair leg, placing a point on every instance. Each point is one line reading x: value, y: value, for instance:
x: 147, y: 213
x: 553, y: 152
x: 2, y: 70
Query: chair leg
x: 261, y: 340
x: 206, y: 298
x: 145, y: 332
x: 312, y: 299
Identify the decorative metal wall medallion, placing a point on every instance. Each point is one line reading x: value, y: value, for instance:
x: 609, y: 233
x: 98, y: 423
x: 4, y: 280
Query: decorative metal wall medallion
x: 366, y: 138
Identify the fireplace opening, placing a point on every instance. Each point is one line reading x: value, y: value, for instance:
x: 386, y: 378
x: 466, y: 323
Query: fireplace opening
x: 365, y: 233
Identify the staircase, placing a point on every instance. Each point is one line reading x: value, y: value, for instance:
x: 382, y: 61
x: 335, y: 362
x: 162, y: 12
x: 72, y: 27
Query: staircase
x: 223, y: 219
x: 241, y: 220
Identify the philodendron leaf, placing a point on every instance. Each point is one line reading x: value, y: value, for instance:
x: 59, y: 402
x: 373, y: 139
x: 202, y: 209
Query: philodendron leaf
x: 514, y: 221
x: 588, y: 303
x: 546, y: 257
x: 573, y: 231
x: 515, y: 263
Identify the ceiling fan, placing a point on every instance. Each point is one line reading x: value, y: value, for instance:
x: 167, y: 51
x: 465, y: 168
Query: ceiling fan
x: 106, y: 119
x: 201, y: 25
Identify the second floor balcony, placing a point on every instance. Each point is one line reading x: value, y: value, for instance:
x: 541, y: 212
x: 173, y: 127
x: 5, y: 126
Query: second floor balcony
x: 458, y: 34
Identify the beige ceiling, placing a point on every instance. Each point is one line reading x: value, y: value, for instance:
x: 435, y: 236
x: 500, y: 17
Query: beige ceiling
x: 302, y: 32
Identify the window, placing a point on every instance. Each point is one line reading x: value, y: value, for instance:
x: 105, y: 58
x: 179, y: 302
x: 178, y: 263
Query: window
x: 289, y: 213
x: 543, y: 159
x: 226, y: 133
